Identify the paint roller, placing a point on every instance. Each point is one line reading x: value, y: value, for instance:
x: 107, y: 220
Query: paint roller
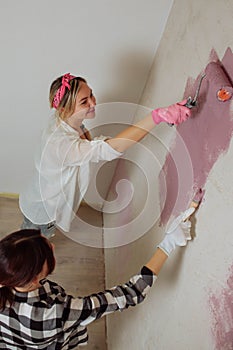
x: 219, y: 81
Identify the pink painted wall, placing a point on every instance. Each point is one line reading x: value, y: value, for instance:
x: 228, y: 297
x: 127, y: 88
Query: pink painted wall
x: 206, y: 135
x: 221, y: 306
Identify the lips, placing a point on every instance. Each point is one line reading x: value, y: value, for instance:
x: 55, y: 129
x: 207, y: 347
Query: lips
x: 91, y: 110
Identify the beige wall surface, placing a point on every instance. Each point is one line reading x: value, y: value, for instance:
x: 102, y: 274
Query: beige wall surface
x: 190, y: 307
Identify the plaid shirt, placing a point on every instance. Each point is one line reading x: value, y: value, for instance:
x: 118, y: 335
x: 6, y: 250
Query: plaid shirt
x: 48, y: 318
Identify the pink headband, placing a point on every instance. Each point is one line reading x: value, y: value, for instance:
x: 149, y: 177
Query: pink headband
x: 61, y: 91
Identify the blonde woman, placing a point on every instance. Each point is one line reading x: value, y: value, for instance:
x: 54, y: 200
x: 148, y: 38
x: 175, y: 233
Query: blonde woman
x: 62, y: 165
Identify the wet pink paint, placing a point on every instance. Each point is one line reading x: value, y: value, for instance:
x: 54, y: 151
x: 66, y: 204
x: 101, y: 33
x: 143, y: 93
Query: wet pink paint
x: 221, y: 306
x: 206, y: 134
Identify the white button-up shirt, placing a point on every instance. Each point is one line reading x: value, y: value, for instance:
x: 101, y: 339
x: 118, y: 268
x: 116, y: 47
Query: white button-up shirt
x: 62, y: 174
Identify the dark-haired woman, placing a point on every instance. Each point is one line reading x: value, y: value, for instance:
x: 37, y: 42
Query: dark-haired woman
x: 36, y: 313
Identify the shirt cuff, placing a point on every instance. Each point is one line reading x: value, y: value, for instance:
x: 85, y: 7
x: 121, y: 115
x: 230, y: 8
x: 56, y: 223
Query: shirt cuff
x: 148, y: 276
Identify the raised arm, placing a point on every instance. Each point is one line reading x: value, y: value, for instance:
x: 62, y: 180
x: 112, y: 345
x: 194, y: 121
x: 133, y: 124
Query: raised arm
x: 174, y: 114
x: 134, y: 291
x: 177, y: 235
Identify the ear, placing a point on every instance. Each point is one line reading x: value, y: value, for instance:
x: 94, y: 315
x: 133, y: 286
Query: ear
x: 35, y: 280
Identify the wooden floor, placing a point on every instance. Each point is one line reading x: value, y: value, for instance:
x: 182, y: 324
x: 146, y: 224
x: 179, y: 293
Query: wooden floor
x: 80, y: 269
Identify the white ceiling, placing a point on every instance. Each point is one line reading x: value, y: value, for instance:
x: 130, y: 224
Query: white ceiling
x: 112, y: 43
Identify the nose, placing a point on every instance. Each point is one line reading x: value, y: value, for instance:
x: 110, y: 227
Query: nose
x: 92, y: 101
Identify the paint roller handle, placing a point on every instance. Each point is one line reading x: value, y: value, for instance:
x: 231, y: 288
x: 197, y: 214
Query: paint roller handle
x: 174, y: 114
x: 178, y: 233
x: 192, y: 102
x: 189, y: 104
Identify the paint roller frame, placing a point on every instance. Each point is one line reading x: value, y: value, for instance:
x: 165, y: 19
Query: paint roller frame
x: 192, y: 102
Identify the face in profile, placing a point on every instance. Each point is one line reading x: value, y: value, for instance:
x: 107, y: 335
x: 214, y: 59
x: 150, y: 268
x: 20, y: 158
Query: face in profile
x: 85, y: 103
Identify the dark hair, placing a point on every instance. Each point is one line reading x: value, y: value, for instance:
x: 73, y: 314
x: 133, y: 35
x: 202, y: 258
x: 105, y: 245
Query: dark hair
x: 67, y: 104
x: 22, y: 256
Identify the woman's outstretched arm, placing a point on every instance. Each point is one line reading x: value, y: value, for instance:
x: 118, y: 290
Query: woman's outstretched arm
x: 174, y: 114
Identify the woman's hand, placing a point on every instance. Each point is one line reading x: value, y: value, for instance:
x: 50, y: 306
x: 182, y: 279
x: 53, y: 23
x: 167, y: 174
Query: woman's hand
x: 178, y: 233
x: 174, y: 114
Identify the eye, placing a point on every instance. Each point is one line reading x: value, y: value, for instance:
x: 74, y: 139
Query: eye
x: 84, y: 102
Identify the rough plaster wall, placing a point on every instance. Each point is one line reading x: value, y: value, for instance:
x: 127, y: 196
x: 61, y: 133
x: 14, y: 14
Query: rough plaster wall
x: 190, y: 307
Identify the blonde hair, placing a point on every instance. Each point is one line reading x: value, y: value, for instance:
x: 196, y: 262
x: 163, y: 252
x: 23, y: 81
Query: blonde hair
x: 67, y: 104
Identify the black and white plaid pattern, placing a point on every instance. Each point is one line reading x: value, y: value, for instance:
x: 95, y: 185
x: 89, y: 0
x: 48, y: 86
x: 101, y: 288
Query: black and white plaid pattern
x: 48, y: 318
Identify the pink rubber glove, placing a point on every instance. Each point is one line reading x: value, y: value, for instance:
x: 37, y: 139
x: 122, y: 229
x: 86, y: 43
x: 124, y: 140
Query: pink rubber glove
x: 174, y: 114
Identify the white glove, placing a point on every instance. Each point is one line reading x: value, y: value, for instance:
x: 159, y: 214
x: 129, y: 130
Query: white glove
x: 178, y: 232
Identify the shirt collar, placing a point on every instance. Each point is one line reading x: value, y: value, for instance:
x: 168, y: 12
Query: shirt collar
x: 35, y: 294
x: 68, y: 128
